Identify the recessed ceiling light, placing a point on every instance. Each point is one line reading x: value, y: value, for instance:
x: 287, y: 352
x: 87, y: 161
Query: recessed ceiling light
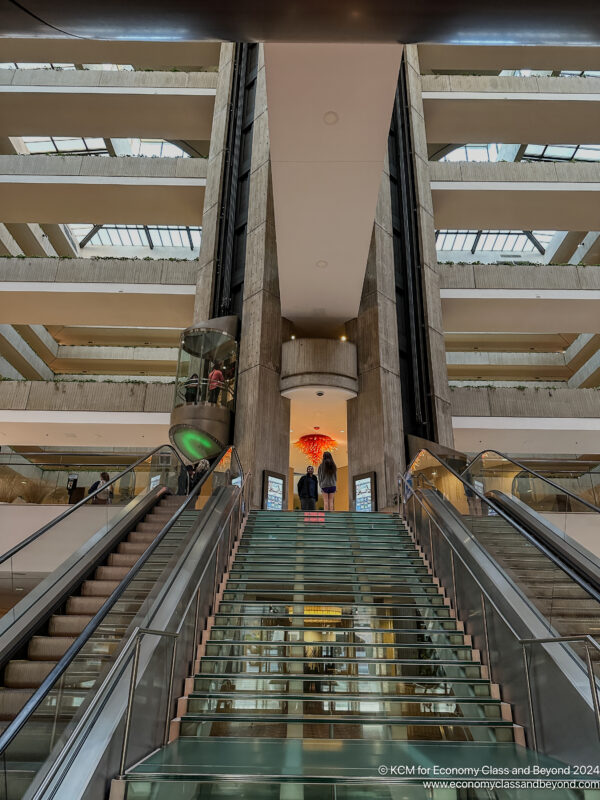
x: 330, y: 117
x: 321, y: 264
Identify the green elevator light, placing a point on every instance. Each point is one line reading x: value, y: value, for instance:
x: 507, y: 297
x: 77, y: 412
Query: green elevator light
x: 194, y: 444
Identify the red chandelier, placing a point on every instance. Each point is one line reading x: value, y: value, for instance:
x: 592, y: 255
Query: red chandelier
x: 313, y: 445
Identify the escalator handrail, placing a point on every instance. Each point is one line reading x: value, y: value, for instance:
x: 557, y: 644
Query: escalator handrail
x: 9, y: 734
x: 593, y: 591
x: 49, y: 525
x: 514, y: 461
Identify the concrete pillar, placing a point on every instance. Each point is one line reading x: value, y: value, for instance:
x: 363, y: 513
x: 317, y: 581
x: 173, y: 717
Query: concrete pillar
x: 431, y: 288
x: 262, y: 421
x: 375, y: 435
x: 214, y: 173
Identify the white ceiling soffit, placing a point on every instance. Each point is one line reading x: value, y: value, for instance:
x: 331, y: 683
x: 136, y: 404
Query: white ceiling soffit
x: 330, y: 108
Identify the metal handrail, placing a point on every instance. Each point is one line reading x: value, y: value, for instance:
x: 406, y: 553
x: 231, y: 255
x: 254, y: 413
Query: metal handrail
x: 45, y: 528
x: 537, y: 475
x: 464, y: 563
x: 61, y: 666
x: 593, y: 592
x: 587, y: 638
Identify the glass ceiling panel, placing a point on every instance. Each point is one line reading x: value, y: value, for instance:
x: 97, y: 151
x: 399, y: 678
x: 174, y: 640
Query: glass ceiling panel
x: 150, y: 236
x: 77, y: 145
x: 494, y: 152
x: 62, y: 66
x: 562, y: 152
x: 564, y: 73
x: 513, y: 242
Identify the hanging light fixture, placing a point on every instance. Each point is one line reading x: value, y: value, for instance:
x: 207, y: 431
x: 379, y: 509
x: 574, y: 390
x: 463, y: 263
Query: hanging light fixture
x: 313, y: 445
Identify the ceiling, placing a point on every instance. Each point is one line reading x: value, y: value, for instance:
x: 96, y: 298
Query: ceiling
x: 330, y: 108
x: 467, y: 21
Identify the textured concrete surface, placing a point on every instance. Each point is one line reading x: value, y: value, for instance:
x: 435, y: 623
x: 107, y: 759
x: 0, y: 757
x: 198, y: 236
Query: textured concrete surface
x: 503, y: 402
x: 92, y: 396
x: 104, y: 270
x: 262, y: 415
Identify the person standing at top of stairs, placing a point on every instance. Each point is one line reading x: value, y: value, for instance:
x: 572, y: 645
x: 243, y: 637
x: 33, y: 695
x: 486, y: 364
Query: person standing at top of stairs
x: 327, y: 474
x: 308, y: 490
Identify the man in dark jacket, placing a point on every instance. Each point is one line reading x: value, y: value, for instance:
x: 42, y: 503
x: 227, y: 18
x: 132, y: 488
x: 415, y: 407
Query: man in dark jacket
x: 308, y: 490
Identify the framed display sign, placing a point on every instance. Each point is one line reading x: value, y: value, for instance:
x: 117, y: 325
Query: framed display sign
x: 273, y: 490
x: 365, y: 492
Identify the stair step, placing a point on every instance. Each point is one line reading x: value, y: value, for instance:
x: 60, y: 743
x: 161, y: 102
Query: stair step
x: 48, y: 648
x: 67, y: 624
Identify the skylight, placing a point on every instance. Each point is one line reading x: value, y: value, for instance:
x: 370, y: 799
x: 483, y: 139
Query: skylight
x: 473, y: 152
x: 150, y: 236
x: 77, y: 145
x: 514, y: 242
x: 562, y: 152
x: 62, y: 66
x: 494, y: 152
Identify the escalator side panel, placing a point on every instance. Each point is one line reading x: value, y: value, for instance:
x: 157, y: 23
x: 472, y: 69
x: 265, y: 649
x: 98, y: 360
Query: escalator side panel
x: 484, y: 596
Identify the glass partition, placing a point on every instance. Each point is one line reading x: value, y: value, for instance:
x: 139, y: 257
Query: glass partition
x: 62, y: 478
x: 206, y: 369
x: 556, y: 492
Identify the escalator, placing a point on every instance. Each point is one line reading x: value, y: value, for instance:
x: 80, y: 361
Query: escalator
x: 557, y: 572
x: 62, y: 637
x: 44, y: 649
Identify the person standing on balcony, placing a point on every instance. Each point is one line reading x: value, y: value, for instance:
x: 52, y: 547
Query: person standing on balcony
x: 327, y: 474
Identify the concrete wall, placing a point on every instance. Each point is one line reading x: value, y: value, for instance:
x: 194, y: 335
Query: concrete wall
x: 374, y: 425
x: 490, y: 402
x: 92, y: 396
x: 262, y: 415
x: 431, y: 284
x: 519, y: 276
x: 104, y: 270
x: 319, y: 362
x: 214, y: 174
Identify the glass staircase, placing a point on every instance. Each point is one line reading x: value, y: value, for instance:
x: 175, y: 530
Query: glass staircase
x: 333, y: 655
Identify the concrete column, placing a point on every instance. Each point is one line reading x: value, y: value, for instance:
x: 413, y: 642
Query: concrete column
x: 262, y: 421
x: 375, y: 435
x: 216, y: 159
x: 431, y: 288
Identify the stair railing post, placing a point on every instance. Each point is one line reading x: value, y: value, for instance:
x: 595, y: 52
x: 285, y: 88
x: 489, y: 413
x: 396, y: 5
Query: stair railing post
x: 534, y: 744
x: 132, y: 682
x: 170, y: 692
x: 593, y: 687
